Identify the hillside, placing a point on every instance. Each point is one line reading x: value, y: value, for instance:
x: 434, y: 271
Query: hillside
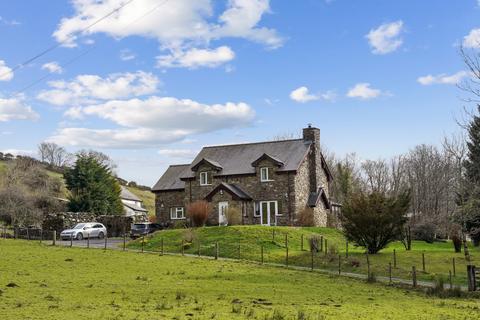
x: 245, y: 242
x: 146, y: 196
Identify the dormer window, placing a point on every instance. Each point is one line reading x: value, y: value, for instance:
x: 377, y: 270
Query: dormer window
x: 266, y: 174
x: 205, y: 178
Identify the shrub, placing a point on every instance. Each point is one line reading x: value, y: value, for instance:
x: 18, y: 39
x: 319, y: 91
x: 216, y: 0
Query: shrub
x: 305, y: 218
x: 424, y: 232
x: 198, y: 212
x: 234, y: 215
x: 374, y: 220
x: 189, y: 235
x: 457, y: 242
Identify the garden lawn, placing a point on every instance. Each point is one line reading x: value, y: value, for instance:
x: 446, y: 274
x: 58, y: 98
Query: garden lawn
x: 246, y: 242
x: 40, y: 282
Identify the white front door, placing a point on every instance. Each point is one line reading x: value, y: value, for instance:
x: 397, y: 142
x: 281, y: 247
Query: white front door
x: 222, y: 213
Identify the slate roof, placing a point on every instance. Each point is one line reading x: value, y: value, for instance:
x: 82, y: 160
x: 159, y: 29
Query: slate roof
x: 171, y: 178
x: 231, y: 188
x: 134, y: 207
x: 128, y: 195
x: 237, y: 159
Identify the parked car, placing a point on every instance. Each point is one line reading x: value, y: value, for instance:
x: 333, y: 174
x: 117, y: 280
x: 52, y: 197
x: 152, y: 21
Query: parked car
x: 141, y: 229
x: 84, y: 230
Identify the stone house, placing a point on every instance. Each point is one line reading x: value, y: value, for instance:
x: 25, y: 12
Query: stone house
x: 270, y: 183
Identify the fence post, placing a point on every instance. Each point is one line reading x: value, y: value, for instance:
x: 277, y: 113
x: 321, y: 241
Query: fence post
x: 143, y: 242
x: 199, y: 247
x: 394, y: 258
x: 339, y: 264
x: 124, y: 241
x: 28, y: 233
x: 106, y: 240
x: 286, y: 249
x: 321, y: 243
x: 161, y: 247
x: 41, y: 235
x: 54, y: 237
x: 450, y: 279
x: 301, y: 243
x: 453, y: 265
x: 423, y: 262
x: 183, y: 247
x: 390, y: 272
x: 88, y: 241
x: 346, y: 249
x: 311, y: 258
x: 273, y: 235
x: 71, y: 240
x: 261, y: 252
x: 472, y: 285
x: 15, y: 233
x: 216, y: 250
x: 326, y: 247
x: 368, y: 266
x: 414, y: 276
x: 239, y: 252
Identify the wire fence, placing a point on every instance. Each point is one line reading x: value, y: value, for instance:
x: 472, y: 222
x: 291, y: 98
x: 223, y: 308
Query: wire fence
x: 305, y: 253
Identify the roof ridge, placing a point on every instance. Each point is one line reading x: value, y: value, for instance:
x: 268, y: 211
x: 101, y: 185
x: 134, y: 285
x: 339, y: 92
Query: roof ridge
x: 180, y: 165
x: 250, y: 143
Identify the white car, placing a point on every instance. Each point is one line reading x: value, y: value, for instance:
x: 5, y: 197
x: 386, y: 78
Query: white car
x: 84, y: 230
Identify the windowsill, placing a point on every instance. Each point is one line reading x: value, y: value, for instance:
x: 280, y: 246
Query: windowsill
x: 205, y: 185
x: 177, y: 218
x: 267, y: 180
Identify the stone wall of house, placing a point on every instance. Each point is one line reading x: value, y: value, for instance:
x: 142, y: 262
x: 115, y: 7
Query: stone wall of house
x: 166, y: 200
x: 302, y: 187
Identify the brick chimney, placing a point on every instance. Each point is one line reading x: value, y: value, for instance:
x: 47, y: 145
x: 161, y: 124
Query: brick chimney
x: 312, y: 135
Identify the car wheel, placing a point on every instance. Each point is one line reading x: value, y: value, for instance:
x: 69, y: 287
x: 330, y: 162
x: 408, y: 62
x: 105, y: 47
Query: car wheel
x: 79, y: 236
x: 101, y: 235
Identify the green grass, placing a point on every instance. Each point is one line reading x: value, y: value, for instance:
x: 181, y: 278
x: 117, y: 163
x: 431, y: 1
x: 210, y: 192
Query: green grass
x: 248, y: 241
x: 40, y: 282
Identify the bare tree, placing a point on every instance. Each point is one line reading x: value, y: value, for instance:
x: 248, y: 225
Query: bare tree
x: 53, y: 154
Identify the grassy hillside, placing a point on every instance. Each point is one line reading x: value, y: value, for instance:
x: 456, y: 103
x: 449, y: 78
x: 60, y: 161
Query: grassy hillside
x: 147, y: 197
x: 246, y: 242
x: 39, y: 284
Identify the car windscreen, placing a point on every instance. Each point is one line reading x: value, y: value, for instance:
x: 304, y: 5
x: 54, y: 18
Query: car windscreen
x: 79, y: 226
x: 139, y: 226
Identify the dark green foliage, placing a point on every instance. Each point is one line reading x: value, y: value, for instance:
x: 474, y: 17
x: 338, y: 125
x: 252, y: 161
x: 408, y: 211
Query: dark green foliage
x: 457, y: 243
x: 374, y: 220
x: 92, y: 186
x: 471, y: 195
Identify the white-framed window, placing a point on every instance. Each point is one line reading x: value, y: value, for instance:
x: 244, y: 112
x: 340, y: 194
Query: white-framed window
x: 266, y: 174
x: 177, y: 213
x: 256, y: 209
x: 267, y: 207
x: 205, y: 178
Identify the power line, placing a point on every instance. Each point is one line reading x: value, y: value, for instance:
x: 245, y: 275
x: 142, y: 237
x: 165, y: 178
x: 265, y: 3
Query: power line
x: 69, y: 36
x: 74, y: 59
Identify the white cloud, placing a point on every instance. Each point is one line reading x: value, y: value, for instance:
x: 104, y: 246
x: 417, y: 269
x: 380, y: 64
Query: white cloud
x: 6, y: 73
x: 443, y: 78
x: 179, y: 25
x: 52, y: 67
x: 472, y: 40
x: 90, y: 88
x: 386, y: 38
x: 178, y: 153
x: 18, y: 152
x: 127, y: 55
x: 16, y: 109
x: 195, y: 58
x: 363, y: 91
x: 302, y: 95
x: 153, y: 121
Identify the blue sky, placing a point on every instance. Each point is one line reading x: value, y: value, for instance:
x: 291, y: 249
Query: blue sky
x: 157, y: 80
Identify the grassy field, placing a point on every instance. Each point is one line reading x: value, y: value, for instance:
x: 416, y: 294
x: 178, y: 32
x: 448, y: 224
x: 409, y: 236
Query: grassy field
x: 40, y: 282
x: 246, y: 241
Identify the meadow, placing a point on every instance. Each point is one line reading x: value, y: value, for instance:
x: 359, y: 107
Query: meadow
x: 44, y: 282
x: 246, y: 242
